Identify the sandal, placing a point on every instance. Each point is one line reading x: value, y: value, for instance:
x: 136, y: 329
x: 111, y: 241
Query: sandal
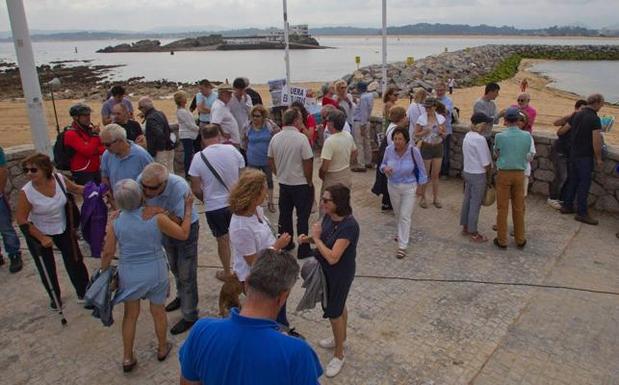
x: 478, y: 238
x: 271, y: 207
x: 423, y: 204
x: 168, y: 349
x: 437, y: 204
x: 400, y: 254
x: 129, y: 365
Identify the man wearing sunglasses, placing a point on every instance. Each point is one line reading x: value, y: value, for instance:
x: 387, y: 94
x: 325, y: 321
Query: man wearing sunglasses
x: 123, y: 159
x: 162, y: 191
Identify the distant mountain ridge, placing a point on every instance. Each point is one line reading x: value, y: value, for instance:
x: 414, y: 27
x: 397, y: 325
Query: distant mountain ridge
x: 413, y: 29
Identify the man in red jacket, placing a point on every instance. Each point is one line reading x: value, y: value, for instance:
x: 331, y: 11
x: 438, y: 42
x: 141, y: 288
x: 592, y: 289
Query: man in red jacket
x: 82, y: 138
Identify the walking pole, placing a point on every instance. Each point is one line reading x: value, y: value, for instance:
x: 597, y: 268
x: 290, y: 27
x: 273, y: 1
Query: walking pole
x: 63, y: 320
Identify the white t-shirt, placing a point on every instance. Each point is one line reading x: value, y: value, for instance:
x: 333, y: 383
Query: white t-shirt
x: 227, y: 161
x: 221, y: 115
x: 288, y: 149
x: 48, y: 213
x: 532, y: 152
x: 248, y: 236
x: 476, y: 153
x: 433, y: 136
x: 337, y: 149
x: 390, y: 128
x: 415, y: 110
x: 327, y: 134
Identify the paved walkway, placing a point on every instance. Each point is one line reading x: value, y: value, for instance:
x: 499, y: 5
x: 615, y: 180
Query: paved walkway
x: 419, y: 320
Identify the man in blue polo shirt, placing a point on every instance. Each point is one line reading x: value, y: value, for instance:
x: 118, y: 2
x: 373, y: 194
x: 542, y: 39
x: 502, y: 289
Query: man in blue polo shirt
x: 247, y: 348
x: 122, y: 159
x: 512, y: 148
x: 163, y: 190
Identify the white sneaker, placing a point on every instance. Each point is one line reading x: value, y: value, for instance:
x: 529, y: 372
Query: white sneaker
x: 327, y: 343
x: 555, y: 204
x: 334, y: 367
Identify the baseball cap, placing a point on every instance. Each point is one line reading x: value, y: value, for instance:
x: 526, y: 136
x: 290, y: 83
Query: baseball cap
x: 480, y: 117
x: 79, y: 109
x: 512, y: 114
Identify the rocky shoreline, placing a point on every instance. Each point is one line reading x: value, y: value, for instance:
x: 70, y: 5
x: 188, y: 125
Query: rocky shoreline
x: 473, y: 66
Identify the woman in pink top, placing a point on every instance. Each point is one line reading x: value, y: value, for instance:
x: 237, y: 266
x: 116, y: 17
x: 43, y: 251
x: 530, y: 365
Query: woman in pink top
x: 523, y: 106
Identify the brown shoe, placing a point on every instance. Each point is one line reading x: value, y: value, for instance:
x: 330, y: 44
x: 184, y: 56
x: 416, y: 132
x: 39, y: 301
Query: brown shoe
x: 587, y: 219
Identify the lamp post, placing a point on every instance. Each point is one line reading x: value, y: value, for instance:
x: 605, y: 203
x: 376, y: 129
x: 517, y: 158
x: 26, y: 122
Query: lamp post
x: 54, y: 83
x: 384, y: 47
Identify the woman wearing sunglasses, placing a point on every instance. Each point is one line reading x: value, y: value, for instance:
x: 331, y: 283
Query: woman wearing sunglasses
x: 258, y: 135
x: 42, y: 217
x: 336, y: 249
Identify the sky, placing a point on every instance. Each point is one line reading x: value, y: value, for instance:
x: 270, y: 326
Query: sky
x: 154, y: 15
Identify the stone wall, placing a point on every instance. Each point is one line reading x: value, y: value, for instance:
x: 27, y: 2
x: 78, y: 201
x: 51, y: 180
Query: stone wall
x: 604, y: 193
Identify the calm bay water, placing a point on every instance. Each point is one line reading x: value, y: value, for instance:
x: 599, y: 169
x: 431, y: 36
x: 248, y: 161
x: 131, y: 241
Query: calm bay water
x: 314, y: 65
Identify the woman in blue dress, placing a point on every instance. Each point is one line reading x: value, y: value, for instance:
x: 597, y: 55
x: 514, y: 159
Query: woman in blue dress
x: 142, y: 263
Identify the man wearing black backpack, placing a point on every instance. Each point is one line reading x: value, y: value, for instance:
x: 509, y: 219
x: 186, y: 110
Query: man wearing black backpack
x: 82, y: 146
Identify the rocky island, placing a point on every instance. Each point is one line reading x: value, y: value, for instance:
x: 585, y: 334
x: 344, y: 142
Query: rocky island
x: 299, y: 38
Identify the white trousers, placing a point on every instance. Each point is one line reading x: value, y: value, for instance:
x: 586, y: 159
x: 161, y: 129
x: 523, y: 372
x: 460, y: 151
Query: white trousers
x: 403, y: 201
x: 166, y: 158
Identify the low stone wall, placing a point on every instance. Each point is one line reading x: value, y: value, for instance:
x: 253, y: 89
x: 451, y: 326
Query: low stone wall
x: 604, y: 192
x: 603, y: 195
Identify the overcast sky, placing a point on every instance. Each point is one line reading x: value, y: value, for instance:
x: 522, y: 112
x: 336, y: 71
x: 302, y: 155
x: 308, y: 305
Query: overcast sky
x: 141, y: 15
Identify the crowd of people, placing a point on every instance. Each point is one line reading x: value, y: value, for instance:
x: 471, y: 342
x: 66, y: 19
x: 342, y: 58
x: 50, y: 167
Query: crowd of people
x: 232, y: 152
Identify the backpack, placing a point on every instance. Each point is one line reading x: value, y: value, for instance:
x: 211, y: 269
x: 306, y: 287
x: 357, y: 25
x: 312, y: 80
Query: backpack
x: 62, y: 153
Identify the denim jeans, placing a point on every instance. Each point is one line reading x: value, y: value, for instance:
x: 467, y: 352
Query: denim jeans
x: 188, y: 151
x: 301, y: 198
x: 9, y: 236
x: 445, y: 162
x: 183, y: 259
x: 579, y: 182
x: 558, y: 185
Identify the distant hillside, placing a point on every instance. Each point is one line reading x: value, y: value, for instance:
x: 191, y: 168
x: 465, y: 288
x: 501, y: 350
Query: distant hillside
x: 414, y: 29
x: 460, y: 29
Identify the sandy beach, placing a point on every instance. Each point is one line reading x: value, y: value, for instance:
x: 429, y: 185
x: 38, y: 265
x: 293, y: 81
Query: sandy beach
x: 550, y: 104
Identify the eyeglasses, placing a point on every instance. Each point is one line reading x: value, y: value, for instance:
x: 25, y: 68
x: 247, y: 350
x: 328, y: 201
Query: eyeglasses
x: 152, y: 188
x: 326, y: 200
x: 256, y: 116
x: 108, y: 144
x: 32, y: 170
x: 522, y: 100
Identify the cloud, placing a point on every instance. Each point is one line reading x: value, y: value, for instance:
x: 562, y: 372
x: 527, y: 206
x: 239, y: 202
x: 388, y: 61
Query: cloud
x: 149, y: 14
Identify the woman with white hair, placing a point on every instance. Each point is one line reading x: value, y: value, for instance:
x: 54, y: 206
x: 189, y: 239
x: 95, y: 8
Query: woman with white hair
x: 142, y: 263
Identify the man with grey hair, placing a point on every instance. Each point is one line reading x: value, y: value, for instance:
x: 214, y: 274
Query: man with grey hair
x: 122, y: 158
x: 157, y: 131
x: 162, y: 191
x: 585, y: 153
x: 247, y: 347
x: 361, y: 128
x: 336, y: 153
x: 134, y: 131
x: 222, y: 116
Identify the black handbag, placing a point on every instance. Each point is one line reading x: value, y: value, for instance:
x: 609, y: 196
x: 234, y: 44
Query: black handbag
x: 72, y: 212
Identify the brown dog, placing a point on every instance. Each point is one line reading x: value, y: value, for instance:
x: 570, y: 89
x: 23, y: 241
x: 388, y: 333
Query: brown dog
x: 229, y: 295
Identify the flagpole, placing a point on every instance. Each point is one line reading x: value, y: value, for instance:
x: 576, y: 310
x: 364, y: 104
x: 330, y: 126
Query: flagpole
x: 287, y: 42
x: 384, y: 47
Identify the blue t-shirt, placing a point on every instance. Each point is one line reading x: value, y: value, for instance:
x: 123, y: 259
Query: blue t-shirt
x: 246, y: 351
x: 258, y: 146
x: 129, y: 167
x: 209, y: 103
x: 172, y: 197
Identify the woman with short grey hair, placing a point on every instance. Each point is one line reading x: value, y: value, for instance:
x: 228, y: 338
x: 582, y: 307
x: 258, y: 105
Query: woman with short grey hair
x: 142, y: 263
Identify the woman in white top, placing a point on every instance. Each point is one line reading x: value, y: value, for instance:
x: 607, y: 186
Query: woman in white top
x: 250, y: 231
x: 476, y: 168
x: 41, y: 216
x: 188, y: 131
x: 431, y: 131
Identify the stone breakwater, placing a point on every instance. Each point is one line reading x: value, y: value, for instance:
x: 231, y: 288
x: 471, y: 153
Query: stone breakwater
x: 473, y: 66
